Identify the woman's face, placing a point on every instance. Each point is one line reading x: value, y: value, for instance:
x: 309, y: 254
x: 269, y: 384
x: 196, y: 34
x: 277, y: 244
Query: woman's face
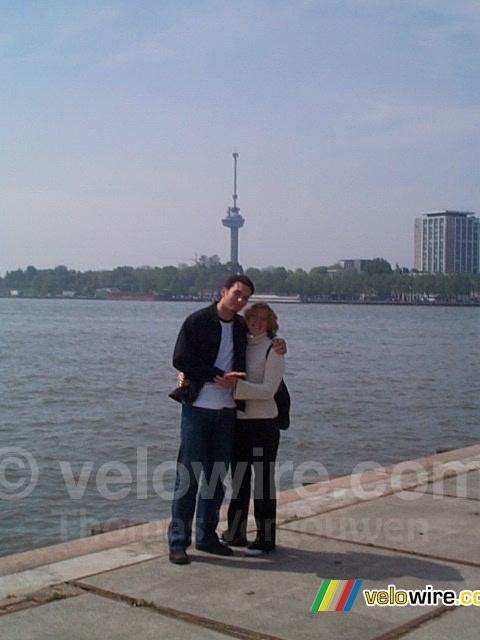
x: 257, y: 323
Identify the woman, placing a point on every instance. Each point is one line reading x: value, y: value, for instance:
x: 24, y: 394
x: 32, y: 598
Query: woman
x: 257, y: 434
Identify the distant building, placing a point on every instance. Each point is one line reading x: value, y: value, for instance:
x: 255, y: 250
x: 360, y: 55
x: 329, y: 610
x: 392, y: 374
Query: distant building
x: 272, y: 298
x: 447, y: 241
x: 112, y: 293
x: 356, y: 264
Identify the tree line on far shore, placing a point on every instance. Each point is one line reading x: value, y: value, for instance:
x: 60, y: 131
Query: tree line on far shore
x: 206, y: 276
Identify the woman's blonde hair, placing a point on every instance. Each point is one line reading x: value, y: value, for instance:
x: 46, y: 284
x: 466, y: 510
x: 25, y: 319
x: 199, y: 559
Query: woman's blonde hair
x: 272, y: 321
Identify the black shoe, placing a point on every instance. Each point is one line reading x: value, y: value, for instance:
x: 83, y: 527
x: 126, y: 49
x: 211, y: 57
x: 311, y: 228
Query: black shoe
x: 258, y: 548
x: 216, y: 548
x: 237, y: 541
x: 178, y: 556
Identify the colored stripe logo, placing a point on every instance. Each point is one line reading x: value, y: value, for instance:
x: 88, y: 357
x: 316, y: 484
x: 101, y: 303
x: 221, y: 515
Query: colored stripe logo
x: 336, y: 595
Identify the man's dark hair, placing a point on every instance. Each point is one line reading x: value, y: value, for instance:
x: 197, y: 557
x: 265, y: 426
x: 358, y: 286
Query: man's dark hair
x: 240, y: 278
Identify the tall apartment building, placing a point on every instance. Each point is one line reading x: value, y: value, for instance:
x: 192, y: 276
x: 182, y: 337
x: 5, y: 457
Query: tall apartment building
x: 447, y: 241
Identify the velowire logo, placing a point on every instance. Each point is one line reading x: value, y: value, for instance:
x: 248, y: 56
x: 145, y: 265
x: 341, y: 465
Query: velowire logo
x: 336, y: 595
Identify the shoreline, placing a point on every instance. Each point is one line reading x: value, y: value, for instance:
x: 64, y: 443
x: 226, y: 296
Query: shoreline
x: 358, y: 303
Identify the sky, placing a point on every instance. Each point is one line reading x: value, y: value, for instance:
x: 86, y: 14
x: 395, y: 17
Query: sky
x: 119, y: 120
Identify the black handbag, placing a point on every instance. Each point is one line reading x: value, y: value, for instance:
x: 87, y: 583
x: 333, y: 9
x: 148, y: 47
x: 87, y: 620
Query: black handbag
x: 282, y: 400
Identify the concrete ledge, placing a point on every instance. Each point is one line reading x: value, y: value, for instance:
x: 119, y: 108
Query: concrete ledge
x: 402, y: 475
x: 83, y: 546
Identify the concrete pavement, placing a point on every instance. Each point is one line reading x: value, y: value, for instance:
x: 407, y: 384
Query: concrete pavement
x: 410, y: 525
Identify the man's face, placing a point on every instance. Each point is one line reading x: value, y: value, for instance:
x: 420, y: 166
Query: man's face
x: 235, y: 298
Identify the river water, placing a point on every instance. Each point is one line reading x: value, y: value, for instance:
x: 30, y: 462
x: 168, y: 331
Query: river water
x: 87, y: 431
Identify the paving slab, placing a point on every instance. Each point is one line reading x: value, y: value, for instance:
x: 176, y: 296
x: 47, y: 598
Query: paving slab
x: 273, y: 595
x: 439, y: 526
x: 462, y: 623
x: 30, y: 580
x: 89, y: 617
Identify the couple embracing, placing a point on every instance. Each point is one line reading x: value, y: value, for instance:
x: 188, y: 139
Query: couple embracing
x: 233, y: 366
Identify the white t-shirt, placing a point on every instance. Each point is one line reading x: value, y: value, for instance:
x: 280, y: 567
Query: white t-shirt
x: 211, y: 395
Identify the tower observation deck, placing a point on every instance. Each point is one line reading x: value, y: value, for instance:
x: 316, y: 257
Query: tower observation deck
x: 233, y: 219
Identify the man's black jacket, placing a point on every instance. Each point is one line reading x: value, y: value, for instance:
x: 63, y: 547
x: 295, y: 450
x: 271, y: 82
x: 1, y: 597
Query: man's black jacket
x: 198, y: 343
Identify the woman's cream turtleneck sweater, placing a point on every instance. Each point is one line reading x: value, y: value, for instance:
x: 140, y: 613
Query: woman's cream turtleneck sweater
x: 264, y: 374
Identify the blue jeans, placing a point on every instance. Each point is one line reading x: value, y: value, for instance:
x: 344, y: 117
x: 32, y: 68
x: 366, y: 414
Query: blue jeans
x: 205, y: 444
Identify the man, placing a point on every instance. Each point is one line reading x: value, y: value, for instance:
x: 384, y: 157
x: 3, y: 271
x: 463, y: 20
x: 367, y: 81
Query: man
x: 211, y: 342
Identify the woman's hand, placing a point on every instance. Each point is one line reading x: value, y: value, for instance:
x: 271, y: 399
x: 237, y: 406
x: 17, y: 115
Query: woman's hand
x: 229, y: 380
x: 279, y: 346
